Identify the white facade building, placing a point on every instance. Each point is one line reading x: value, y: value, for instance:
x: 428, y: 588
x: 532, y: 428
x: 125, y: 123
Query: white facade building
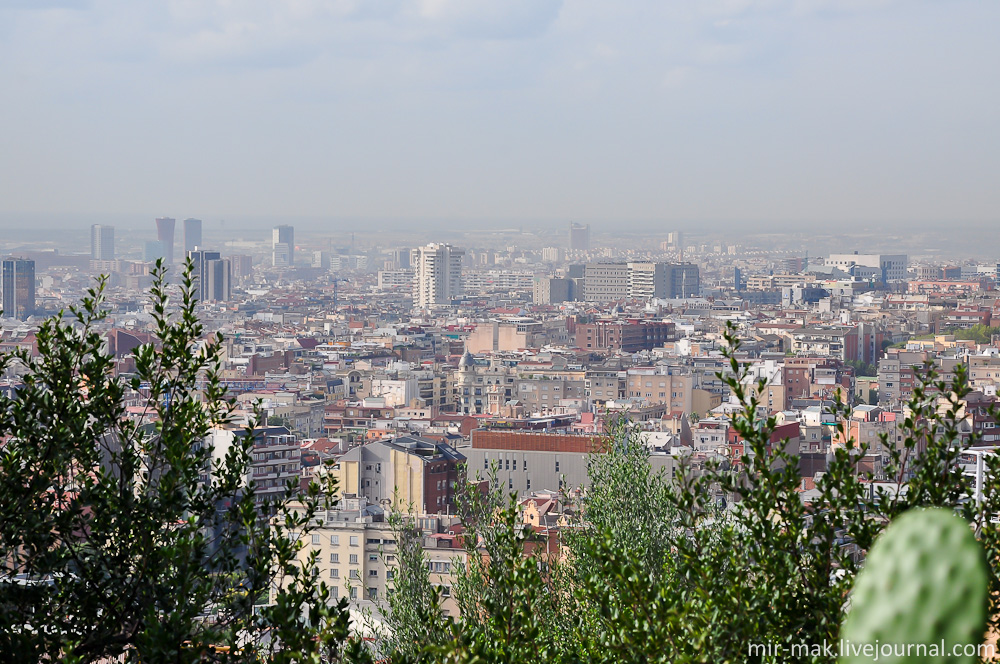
x: 437, y: 274
x: 887, y: 267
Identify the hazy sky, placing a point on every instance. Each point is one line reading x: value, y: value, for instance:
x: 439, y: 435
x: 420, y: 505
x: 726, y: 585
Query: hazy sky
x: 514, y: 109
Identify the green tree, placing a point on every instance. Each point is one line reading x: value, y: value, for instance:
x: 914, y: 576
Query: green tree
x: 698, y: 569
x: 121, y: 539
x: 979, y: 333
x: 502, y: 587
x: 412, y: 618
x: 862, y: 368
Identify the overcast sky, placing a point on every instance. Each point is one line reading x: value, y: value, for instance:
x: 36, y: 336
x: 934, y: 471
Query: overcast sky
x: 600, y: 110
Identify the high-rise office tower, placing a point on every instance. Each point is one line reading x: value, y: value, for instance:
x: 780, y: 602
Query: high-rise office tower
x: 213, y: 275
x: 165, y: 236
x: 437, y: 274
x: 242, y: 266
x: 579, y: 236
x: 192, y: 234
x: 18, y: 286
x: 152, y: 250
x: 102, y: 242
x: 219, y: 280
x: 683, y: 280
x: 400, y: 259
x: 283, y: 246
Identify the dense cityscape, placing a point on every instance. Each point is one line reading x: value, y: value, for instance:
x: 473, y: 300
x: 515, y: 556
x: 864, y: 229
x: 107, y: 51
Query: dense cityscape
x: 401, y: 365
x: 499, y: 332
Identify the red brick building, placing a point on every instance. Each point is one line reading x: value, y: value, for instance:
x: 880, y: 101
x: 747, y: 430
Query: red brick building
x: 628, y: 336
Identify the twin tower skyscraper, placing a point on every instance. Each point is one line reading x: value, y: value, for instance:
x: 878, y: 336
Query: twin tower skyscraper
x: 165, y: 236
x: 102, y: 240
x: 213, y: 273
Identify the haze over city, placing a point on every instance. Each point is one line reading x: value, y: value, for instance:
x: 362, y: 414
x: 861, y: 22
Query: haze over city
x: 739, y: 113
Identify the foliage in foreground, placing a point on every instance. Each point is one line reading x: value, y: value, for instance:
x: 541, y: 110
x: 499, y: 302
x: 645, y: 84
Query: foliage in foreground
x: 711, y: 566
x: 114, y: 542
x: 143, y: 542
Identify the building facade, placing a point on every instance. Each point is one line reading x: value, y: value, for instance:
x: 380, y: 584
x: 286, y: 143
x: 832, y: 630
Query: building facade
x: 213, y: 276
x: 283, y: 246
x: 579, y: 237
x: 192, y: 234
x: 410, y: 473
x: 165, y: 236
x: 437, y: 276
x: 102, y: 242
x: 18, y: 288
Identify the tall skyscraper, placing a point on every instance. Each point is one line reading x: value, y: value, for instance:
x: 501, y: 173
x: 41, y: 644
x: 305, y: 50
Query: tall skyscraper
x: 152, y: 250
x: 437, y: 274
x: 192, y: 234
x: 213, y: 275
x: 18, y: 286
x: 579, y: 236
x: 165, y: 236
x: 242, y: 266
x: 102, y: 242
x: 283, y: 246
x: 683, y: 280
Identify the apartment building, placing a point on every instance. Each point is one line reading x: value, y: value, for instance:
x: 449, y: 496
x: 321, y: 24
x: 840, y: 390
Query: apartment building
x: 411, y: 474
x: 526, y: 461
x: 885, y: 267
x: 437, y: 276
x: 356, y: 553
x: 627, y: 336
x: 662, y: 385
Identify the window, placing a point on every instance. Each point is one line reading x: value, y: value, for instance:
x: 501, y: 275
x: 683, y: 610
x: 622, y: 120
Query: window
x: 355, y: 574
x: 354, y: 540
x: 334, y: 592
x: 354, y: 559
x: 315, y: 539
x: 389, y: 574
x: 510, y: 482
x: 335, y: 540
x: 354, y: 593
x: 529, y: 484
x: 515, y: 464
x: 373, y: 572
x: 373, y: 557
x: 334, y: 557
x: 373, y: 594
x: 506, y: 464
x: 334, y: 573
x: 557, y: 466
